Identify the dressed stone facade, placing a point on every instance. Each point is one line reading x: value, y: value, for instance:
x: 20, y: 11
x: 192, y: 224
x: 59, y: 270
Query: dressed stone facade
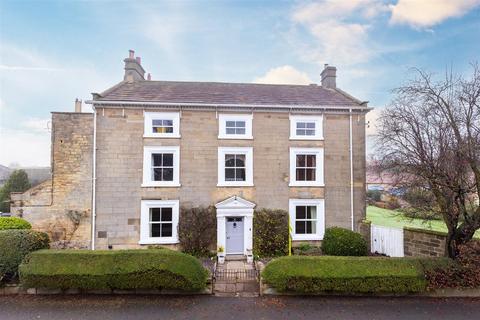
x: 163, y: 145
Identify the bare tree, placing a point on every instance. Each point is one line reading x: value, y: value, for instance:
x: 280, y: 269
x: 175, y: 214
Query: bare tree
x: 430, y: 137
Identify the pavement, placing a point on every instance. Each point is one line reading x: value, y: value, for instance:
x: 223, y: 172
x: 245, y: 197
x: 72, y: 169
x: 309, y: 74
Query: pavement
x: 120, y: 307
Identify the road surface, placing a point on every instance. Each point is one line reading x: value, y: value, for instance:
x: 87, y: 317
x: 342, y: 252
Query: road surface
x: 208, y: 307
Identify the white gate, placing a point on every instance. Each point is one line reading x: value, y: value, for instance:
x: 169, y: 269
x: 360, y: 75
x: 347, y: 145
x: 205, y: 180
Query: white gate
x: 387, y: 240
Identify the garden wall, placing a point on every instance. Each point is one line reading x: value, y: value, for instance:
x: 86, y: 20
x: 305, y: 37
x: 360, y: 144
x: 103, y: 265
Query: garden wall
x: 423, y: 243
x: 49, y: 206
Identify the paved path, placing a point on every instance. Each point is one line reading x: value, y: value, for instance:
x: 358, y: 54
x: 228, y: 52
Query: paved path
x: 208, y: 307
x: 236, y: 278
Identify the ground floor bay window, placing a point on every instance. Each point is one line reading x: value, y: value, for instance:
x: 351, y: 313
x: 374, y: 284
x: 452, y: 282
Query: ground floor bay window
x: 159, y: 221
x: 307, y: 219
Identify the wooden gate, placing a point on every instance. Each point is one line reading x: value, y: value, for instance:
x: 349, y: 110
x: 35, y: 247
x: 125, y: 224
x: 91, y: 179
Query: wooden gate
x: 387, y: 240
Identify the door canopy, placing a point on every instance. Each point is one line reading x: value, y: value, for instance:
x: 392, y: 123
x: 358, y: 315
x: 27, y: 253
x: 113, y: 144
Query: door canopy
x: 235, y: 202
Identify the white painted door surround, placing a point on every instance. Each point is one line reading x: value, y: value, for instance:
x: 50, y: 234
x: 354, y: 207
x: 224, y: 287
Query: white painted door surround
x: 235, y: 207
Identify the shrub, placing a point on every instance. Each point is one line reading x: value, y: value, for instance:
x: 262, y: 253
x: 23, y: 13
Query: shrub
x: 392, y: 203
x: 113, y: 269
x: 306, y: 249
x: 414, y: 213
x: 270, y: 233
x: 7, y: 223
x: 343, y: 242
x: 309, y: 275
x: 463, y: 273
x: 420, y: 198
x: 15, y: 245
x: 374, y: 195
x: 197, y: 230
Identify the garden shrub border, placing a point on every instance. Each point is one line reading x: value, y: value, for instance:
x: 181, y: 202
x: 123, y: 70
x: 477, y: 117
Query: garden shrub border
x: 15, y: 244
x: 349, y: 275
x: 270, y: 232
x: 161, y: 269
x: 14, y: 223
x: 343, y: 242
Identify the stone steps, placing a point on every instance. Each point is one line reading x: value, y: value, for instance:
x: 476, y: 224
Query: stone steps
x: 236, y: 278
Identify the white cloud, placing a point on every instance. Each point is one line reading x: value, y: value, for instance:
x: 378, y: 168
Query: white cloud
x: 284, y: 75
x: 340, y: 37
x: 37, y: 125
x: 28, y: 148
x: 427, y: 13
x: 31, y: 86
x: 371, y: 119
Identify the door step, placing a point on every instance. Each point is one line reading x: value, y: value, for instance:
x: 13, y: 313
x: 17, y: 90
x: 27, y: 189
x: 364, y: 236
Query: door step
x: 235, y: 257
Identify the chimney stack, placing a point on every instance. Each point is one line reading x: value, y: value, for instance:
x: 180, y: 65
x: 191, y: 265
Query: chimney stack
x: 329, y: 75
x: 133, y: 68
x: 78, y: 105
x: 149, y: 77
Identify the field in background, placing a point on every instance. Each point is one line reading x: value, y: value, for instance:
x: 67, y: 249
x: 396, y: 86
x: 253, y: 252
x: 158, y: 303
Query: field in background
x: 392, y: 218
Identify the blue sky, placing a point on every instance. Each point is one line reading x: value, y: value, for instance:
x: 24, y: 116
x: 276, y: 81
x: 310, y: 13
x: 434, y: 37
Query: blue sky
x: 52, y: 52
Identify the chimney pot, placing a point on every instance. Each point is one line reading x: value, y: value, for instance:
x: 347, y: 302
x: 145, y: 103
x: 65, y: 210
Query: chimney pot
x: 329, y: 77
x: 133, y: 68
x: 78, y: 105
x: 149, y: 77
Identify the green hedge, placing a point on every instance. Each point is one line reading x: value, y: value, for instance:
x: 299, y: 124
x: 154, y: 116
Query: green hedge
x: 343, y: 242
x: 270, y: 232
x: 15, y: 245
x: 113, y: 269
x: 310, y: 275
x: 197, y: 230
x: 7, y: 223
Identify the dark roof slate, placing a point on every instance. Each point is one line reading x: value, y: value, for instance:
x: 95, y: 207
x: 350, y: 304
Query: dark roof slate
x: 226, y: 93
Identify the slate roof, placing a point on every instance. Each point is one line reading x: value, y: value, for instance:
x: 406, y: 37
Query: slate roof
x: 226, y: 93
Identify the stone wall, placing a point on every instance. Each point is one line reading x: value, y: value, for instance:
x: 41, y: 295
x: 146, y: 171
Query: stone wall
x: 364, y: 228
x: 423, y: 243
x: 120, y: 145
x: 48, y: 206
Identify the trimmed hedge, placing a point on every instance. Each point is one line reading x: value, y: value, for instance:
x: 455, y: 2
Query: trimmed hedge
x: 310, y: 275
x: 15, y: 245
x: 270, y: 232
x: 7, y: 223
x: 343, y: 242
x: 113, y: 269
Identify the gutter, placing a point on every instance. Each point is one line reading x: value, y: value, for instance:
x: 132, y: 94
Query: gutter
x: 228, y: 106
x: 94, y: 176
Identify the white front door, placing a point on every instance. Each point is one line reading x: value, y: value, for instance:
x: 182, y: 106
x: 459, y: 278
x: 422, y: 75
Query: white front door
x: 234, y: 235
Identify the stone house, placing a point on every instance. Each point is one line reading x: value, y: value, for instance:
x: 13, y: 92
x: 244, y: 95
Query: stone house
x: 151, y: 147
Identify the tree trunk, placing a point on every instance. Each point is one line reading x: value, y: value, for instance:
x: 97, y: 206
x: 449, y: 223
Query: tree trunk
x: 451, y: 245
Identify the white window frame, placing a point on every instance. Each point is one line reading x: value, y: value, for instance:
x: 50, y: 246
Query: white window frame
x: 146, y: 205
x: 150, y: 116
x: 320, y: 225
x: 248, y: 152
x: 222, y: 122
x: 317, y: 119
x: 318, y: 152
x: 147, y: 166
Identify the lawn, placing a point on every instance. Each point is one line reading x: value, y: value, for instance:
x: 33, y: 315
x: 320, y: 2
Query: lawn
x: 392, y: 218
